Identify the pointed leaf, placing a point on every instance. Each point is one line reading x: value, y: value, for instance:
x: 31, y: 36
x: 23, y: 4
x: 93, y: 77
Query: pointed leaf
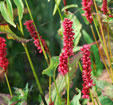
x: 20, y: 7
x: 84, y: 18
x: 54, y: 61
x: 69, y: 6
x: 56, y: 6
x: 9, y: 9
x: 60, y: 80
x: 4, y: 28
x: 5, y: 15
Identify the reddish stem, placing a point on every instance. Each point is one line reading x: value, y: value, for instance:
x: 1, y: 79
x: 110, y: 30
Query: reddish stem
x: 65, y: 3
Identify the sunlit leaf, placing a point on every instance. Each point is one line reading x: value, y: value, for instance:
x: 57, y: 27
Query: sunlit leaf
x: 56, y: 6
x: 54, y: 61
x: 69, y: 6
x: 20, y: 7
x: 5, y: 13
x: 9, y: 9
x: 76, y: 98
x: 60, y: 80
x: 84, y: 18
x: 4, y: 28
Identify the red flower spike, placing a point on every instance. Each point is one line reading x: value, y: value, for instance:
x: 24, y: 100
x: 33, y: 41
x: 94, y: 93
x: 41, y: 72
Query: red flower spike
x: 104, y: 7
x: 30, y: 27
x: 67, y: 46
x: 3, y: 60
x: 86, y: 73
x: 87, y: 8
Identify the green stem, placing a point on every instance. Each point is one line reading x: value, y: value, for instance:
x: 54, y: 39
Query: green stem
x: 42, y: 47
x: 37, y: 32
x: 80, y: 66
x: 9, y: 87
x: 59, y: 11
x: 33, y: 70
x: 57, y: 89
x: 68, y: 79
x: 100, y: 52
x: 104, y: 41
x: 92, y: 97
x: 50, y: 88
x: 32, y: 67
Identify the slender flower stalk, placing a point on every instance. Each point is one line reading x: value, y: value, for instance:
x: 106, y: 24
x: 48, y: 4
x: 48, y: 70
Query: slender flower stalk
x: 104, y: 7
x: 67, y: 51
x: 4, y: 61
x: 87, y: 8
x: 30, y: 27
x: 86, y: 73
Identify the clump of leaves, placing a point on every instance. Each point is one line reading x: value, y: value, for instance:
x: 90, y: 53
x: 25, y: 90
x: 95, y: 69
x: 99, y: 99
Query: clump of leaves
x: 21, y: 96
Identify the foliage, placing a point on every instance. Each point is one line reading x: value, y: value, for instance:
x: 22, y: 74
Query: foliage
x: 25, y: 60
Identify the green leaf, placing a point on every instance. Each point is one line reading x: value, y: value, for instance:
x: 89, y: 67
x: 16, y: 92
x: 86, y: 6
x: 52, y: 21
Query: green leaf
x: 69, y: 6
x: 77, y: 26
x: 4, y: 28
x: 9, y: 9
x: 54, y: 61
x: 95, y: 58
x: 84, y: 18
x: 105, y: 87
x: 5, y: 13
x: 20, y: 7
x: 60, y: 80
x: 76, y: 98
x: 56, y: 6
x: 104, y: 100
x: 76, y: 48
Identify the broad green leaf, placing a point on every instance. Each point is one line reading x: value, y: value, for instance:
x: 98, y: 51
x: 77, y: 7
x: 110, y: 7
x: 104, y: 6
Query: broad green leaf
x: 60, y: 80
x: 5, y: 15
x: 54, y: 61
x: 76, y: 98
x: 96, y: 58
x: 57, y: 3
x: 4, y: 28
x: 69, y: 6
x: 9, y: 9
x: 20, y: 7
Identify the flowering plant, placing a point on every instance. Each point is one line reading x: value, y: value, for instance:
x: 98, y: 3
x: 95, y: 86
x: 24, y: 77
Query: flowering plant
x: 69, y: 66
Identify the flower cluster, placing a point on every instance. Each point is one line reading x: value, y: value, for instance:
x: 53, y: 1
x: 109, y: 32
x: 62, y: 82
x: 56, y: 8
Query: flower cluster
x: 86, y: 73
x: 104, y: 7
x: 87, y: 8
x: 30, y: 27
x: 3, y: 60
x: 67, y: 46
